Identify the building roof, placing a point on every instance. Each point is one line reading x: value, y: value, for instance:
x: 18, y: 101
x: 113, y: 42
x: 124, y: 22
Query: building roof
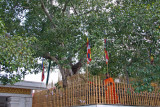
x: 27, y: 85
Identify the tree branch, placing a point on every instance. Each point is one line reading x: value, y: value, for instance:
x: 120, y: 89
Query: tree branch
x: 65, y: 6
x: 74, y: 8
x: 84, y: 45
x: 51, y: 1
x: 47, y: 13
x: 86, y: 12
x: 47, y: 56
x: 77, y: 66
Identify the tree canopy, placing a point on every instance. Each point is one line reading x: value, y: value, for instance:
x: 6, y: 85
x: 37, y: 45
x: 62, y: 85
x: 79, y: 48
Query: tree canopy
x: 62, y: 26
x: 15, y: 56
x: 133, y: 37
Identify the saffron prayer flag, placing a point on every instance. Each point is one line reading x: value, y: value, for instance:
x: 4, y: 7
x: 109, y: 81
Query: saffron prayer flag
x: 105, y: 49
x: 88, y: 52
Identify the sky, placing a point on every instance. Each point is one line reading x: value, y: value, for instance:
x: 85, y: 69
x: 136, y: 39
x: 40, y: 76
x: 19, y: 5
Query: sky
x: 53, y: 77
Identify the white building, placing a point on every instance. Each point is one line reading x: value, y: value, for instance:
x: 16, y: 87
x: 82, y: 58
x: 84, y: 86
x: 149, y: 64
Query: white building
x: 19, y: 94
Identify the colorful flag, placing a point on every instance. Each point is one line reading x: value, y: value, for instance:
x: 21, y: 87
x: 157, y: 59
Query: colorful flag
x: 88, y: 52
x: 105, y: 49
x: 151, y: 57
x: 42, y: 71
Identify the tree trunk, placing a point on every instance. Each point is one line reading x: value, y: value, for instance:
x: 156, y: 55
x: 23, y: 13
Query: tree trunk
x: 69, y: 72
x: 64, y: 80
x: 65, y: 73
x: 126, y: 74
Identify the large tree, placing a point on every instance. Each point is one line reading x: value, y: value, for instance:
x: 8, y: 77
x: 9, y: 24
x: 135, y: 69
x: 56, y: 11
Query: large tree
x: 133, y: 37
x: 61, y: 28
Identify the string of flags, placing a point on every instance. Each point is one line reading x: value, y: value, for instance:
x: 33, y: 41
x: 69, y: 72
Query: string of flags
x: 88, y: 58
x: 89, y: 51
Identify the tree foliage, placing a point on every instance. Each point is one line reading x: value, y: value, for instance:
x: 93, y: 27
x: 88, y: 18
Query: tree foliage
x: 61, y: 27
x: 16, y: 56
x: 133, y: 36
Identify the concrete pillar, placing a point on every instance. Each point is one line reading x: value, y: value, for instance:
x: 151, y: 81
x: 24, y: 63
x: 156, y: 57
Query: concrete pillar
x: 13, y: 102
x: 28, y: 102
x: 22, y: 102
x: 19, y: 102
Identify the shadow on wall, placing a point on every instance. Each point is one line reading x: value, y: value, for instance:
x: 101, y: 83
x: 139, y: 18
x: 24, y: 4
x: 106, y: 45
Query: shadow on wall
x: 3, y: 101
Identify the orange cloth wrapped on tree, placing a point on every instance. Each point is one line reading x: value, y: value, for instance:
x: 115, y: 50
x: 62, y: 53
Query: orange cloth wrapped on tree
x: 111, y: 96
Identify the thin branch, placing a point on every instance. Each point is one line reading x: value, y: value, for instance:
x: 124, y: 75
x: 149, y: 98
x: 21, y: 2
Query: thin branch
x: 65, y: 6
x: 74, y: 8
x: 51, y: 1
x: 46, y: 12
x: 48, y: 56
x: 83, y: 45
x: 87, y: 12
x: 25, y: 7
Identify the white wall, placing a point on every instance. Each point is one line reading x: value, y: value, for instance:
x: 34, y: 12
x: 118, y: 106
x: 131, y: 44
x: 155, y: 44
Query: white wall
x: 19, y: 102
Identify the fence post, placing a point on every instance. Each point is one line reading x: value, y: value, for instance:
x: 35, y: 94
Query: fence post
x: 102, y: 90
x: 92, y: 95
x: 99, y: 93
x: 86, y: 91
x: 73, y: 95
x: 96, y: 91
x: 105, y: 98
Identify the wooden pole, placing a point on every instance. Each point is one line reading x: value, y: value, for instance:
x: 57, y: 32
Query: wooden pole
x: 112, y: 95
x: 105, y: 87
x: 94, y: 92
x: 89, y: 89
x: 126, y: 85
x: 87, y: 95
x: 107, y: 67
x: 61, y: 98
x: 91, y: 101
x: 80, y: 94
x: 99, y: 84
x: 115, y: 93
x: 119, y: 93
x: 65, y: 97
x: 68, y: 91
x: 125, y: 94
x: 73, y: 94
x: 87, y: 73
x: 102, y: 88
x: 130, y: 94
x: 54, y: 100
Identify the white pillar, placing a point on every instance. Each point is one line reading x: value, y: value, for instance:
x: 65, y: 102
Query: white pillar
x: 19, y: 102
x: 29, y: 102
x: 22, y: 102
x: 13, y: 102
